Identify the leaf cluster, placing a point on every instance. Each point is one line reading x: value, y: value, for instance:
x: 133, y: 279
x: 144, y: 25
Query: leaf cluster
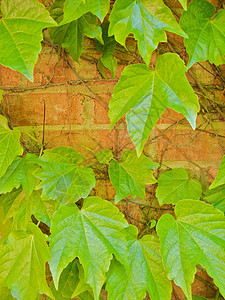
x: 91, y: 246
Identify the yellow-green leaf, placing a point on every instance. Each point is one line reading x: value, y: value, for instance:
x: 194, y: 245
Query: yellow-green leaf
x: 196, y: 236
x: 22, y: 263
x: 175, y: 185
x: 146, y: 272
x: 21, y: 34
x: 92, y: 234
x: 20, y: 173
x: 206, y: 32
x: 147, y: 20
x: 147, y: 93
x: 131, y: 175
x: 9, y: 147
x: 62, y: 178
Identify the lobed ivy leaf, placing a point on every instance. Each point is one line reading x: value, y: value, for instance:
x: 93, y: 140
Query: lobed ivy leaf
x: 92, y: 234
x: 131, y: 175
x: 147, y: 93
x: 20, y: 173
x: 21, y: 34
x: 22, y: 263
x: 197, y: 236
x: 9, y: 145
x: 70, y: 35
x: 16, y: 205
x: 206, y: 33
x: 73, y: 10
x: 82, y: 288
x: 62, y: 178
x: 216, y: 196
x: 67, y: 282
x: 108, y: 60
x: 220, y: 177
x: 146, y: 272
x: 104, y: 156
x: 146, y: 20
x: 175, y: 185
x: 20, y: 206
x: 43, y: 209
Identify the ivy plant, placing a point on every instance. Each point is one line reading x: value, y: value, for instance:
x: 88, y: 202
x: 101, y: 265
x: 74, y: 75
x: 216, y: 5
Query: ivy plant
x: 59, y: 240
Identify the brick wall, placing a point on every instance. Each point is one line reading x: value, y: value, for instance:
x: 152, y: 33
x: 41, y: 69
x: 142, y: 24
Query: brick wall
x: 76, y: 115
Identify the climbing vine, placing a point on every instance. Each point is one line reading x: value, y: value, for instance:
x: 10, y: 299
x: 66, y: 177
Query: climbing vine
x: 57, y: 239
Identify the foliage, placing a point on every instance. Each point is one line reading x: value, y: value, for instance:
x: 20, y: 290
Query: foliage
x: 197, y: 236
x: 61, y: 176
x: 206, y: 33
x: 146, y: 94
x: 174, y: 185
x: 91, y: 245
x: 146, y: 21
x: 21, y: 32
x: 131, y: 175
x: 146, y: 272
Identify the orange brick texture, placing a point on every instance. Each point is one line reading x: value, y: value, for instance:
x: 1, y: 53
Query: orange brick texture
x: 76, y: 115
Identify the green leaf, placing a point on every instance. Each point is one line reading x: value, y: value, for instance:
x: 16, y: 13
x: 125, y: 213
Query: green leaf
x: 5, y: 294
x: 183, y: 3
x: 21, y: 34
x: 147, y: 93
x: 82, y: 288
x: 3, y: 120
x: 67, y: 282
x: 175, y: 185
x: 20, y: 206
x: 42, y: 209
x: 108, y: 60
x: 146, y: 272
x: 92, y: 234
x: 220, y: 177
x: 206, y: 33
x: 62, y: 178
x: 104, y: 156
x: 70, y: 35
x: 20, y: 173
x: 9, y: 147
x: 216, y: 196
x: 197, y: 236
x: 56, y: 10
x: 22, y: 263
x: 147, y: 20
x: 73, y: 10
x: 5, y: 227
x: 17, y: 204
x: 131, y: 175
x: 87, y: 296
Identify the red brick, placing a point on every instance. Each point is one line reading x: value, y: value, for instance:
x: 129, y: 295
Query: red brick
x: 48, y: 68
x: 9, y: 77
x: 100, y: 111
x: 86, y: 70
x: 196, y: 150
x: 60, y: 109
x: 81, y: 140
x: 170, y: 117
